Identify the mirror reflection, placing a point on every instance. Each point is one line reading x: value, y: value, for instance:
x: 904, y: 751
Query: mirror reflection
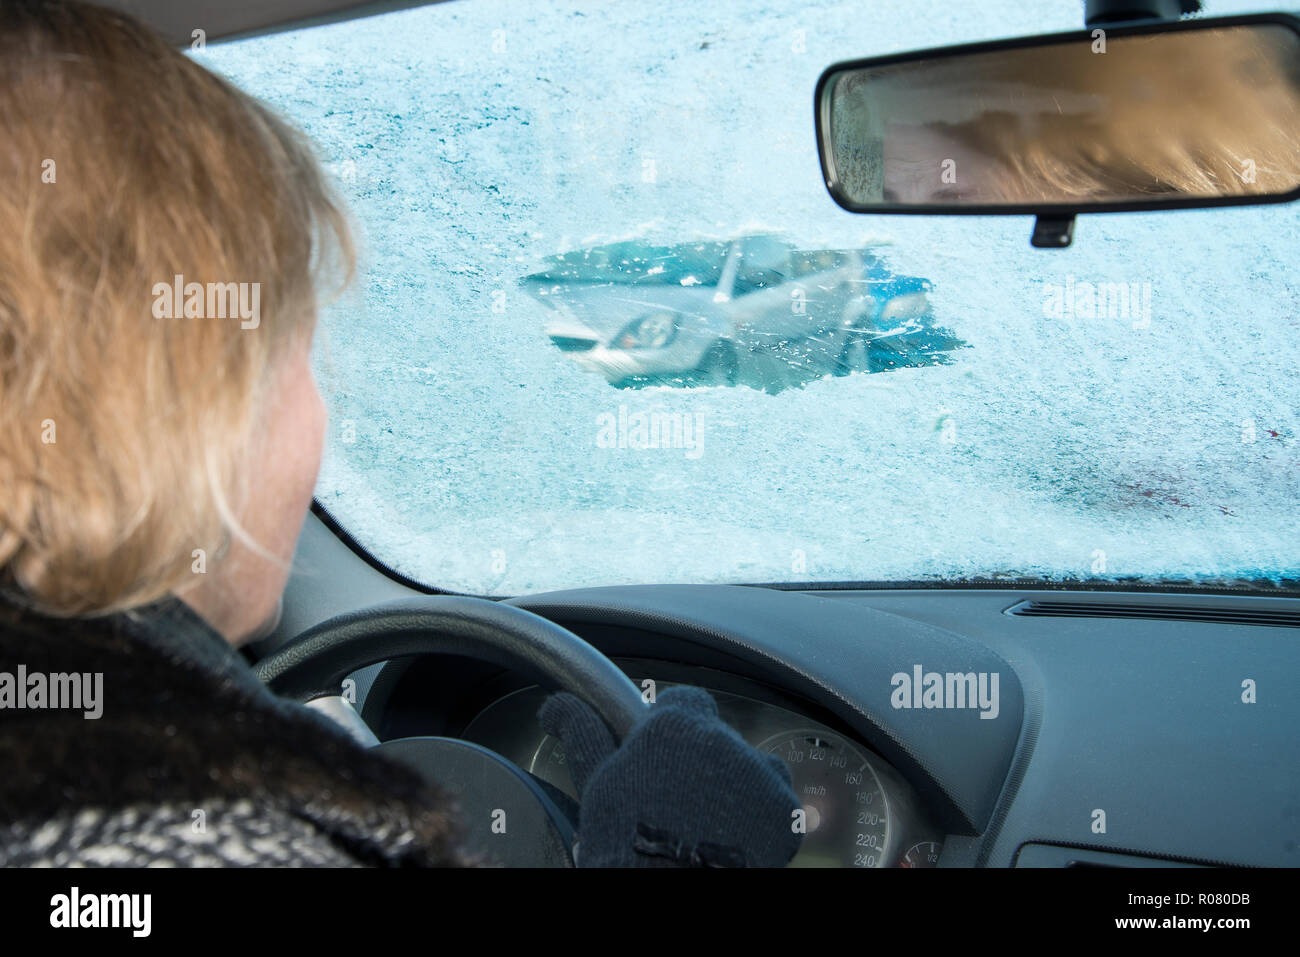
x: 1202, y: 113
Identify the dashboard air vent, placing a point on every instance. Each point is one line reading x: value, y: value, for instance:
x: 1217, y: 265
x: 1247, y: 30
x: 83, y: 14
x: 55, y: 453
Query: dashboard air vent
x: 1164, y: 611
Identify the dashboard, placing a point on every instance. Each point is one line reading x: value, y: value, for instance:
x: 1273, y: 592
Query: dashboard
x: 1138, y: 727
x: 857, y: 810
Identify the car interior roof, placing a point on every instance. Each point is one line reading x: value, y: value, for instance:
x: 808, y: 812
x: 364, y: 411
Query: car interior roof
x: 228, y: 19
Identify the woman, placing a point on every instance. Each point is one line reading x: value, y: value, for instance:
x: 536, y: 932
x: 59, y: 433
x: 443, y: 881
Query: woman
x: 162, y: 237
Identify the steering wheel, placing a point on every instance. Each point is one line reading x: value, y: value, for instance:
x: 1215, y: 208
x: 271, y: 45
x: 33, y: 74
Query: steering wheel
x: 508, y: 815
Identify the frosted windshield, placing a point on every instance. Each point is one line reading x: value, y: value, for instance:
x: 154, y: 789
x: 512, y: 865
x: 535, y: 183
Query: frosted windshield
x: 609, y: 326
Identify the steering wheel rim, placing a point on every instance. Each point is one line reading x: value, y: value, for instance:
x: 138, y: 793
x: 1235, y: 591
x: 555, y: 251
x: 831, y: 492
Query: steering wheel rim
x: 317, y: 662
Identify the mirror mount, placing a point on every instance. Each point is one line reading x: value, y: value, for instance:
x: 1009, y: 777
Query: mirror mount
x: 1052, y: 231
x: 1101, y: 13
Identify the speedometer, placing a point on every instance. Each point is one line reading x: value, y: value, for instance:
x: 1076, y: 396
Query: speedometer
x: 845, y: 811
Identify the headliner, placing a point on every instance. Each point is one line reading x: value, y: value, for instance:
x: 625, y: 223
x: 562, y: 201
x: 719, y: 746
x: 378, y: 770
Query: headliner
x: 225, y: 19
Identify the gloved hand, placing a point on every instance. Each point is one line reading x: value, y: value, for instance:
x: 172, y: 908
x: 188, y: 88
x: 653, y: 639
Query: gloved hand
x: 683, y: 790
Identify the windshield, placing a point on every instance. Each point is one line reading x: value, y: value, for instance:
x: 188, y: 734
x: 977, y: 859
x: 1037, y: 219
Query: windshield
x: 610, y: 327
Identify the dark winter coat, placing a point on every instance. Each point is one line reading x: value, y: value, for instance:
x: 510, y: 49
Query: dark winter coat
x: 192, y: 761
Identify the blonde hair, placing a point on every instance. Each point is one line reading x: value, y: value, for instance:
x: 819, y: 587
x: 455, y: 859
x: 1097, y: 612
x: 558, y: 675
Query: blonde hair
x: 123, y: 436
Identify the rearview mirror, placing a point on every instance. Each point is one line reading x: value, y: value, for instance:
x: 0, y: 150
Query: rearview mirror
x: 1179, y: 114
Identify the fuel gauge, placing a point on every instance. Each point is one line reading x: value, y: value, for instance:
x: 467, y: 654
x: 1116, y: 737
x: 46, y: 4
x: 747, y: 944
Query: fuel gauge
x: 925, y: 854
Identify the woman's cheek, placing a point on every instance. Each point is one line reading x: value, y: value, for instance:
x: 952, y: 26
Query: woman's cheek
x: 320, y: 419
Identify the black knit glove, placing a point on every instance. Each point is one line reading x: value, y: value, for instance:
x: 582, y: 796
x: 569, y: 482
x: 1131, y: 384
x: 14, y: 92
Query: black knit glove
x: 683, y: 790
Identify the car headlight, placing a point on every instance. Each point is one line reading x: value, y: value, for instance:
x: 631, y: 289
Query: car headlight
x: 649, y: 332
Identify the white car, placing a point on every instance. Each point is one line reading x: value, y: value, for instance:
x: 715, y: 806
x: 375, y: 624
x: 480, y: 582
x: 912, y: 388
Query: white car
x: 754, y: 310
